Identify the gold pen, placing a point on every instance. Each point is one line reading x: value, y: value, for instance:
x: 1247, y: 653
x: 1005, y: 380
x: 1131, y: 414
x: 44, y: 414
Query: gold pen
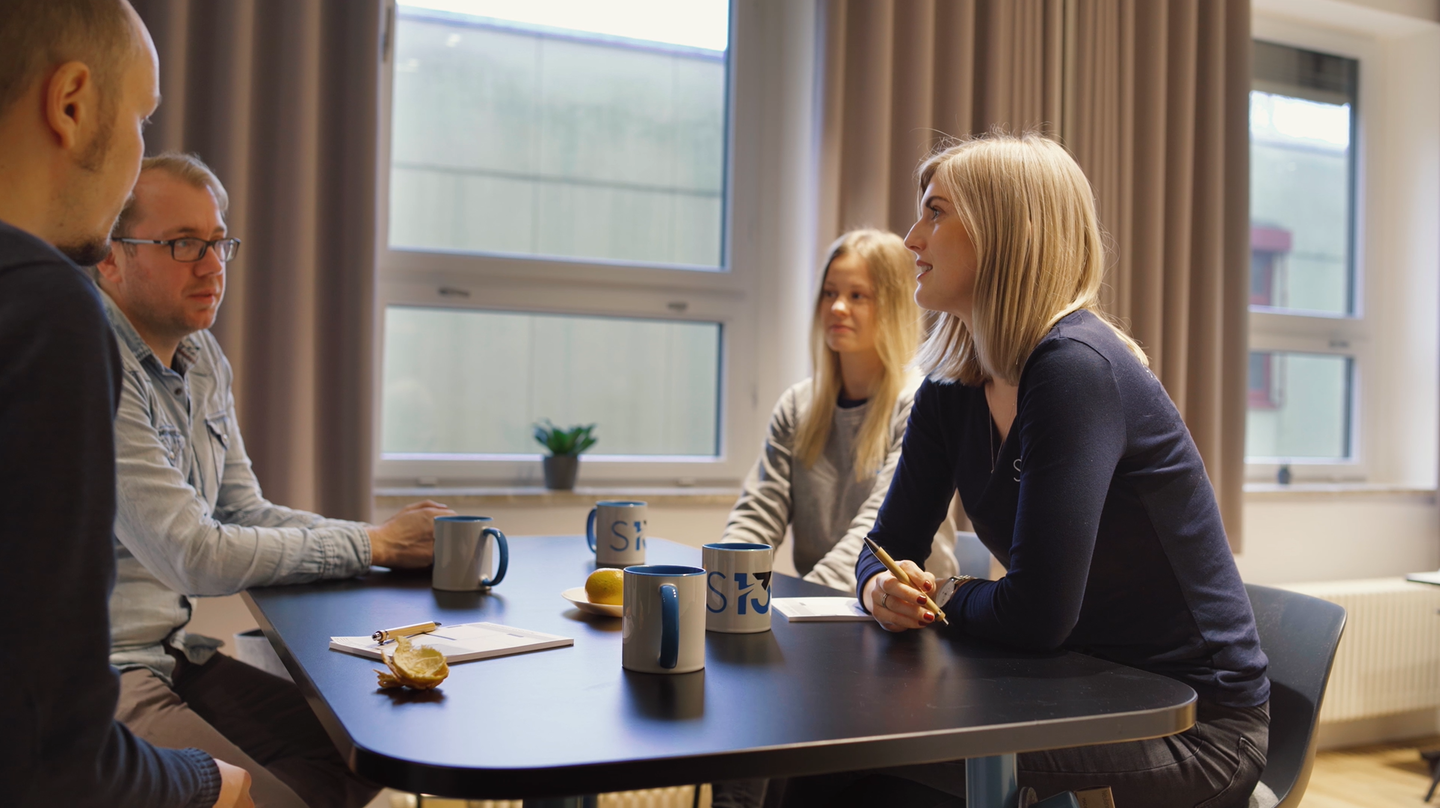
x: 902, y: 577
x: 385, y: 635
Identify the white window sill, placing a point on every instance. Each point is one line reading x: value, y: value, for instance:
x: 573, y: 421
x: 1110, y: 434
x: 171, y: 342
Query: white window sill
x: 536, y: 496
x: 1270, y: 492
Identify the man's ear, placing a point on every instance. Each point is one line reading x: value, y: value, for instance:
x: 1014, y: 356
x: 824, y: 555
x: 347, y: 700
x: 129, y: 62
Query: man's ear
x: 109, y: 268
x: 70, y: 103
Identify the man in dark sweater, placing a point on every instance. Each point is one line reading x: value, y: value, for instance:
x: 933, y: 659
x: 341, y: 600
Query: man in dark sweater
x: 77, y: 82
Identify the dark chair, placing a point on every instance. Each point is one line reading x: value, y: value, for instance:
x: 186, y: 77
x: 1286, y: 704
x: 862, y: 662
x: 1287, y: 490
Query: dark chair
x: 1432, y: 759
x: 973, y: 557
x: 1299, y: 634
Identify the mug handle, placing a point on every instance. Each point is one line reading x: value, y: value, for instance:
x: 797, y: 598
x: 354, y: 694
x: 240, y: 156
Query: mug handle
x: 669, y: 626
x: 504, y: 557
x: 590, y: 529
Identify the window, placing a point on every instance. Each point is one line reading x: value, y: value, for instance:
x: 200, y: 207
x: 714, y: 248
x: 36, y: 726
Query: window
x: 556, y: 239
x: 522, y: 137
x: 1306, y: 313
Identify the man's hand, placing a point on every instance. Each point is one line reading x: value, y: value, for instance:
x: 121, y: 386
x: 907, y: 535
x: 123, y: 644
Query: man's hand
x: 234, y: 787
x: 895, y: 606
x: 408, y: 539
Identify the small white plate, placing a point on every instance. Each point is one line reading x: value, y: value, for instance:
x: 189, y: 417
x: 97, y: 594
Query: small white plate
x: 578, y: 597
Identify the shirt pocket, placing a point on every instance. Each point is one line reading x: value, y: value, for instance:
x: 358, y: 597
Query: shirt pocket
x: 218, y: 425
x: 173, y: 440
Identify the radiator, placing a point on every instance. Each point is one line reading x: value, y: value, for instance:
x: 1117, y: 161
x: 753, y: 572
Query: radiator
x: 680, y: 797
x: 1389, y: 657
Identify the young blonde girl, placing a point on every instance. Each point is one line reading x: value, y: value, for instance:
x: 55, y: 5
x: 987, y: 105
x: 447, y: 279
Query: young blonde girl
x: 834, y: 438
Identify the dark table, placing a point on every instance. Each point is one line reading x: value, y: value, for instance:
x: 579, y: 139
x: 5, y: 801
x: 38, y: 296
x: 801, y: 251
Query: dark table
x: 806, y: 698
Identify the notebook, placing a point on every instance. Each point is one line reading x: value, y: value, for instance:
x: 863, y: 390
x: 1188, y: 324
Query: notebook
x: 461, y: 643
x: 820, y: 610
x: 1424, y: 577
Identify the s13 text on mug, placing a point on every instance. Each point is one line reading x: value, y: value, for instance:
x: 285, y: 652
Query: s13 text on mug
x: 737, y: 580
x: 615, y: 532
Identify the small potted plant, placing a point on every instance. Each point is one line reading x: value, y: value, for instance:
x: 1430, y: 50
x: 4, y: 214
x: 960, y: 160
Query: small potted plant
x: 564, y: 446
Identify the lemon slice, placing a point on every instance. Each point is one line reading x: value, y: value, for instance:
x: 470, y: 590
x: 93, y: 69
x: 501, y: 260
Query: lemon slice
x: 419, y: 667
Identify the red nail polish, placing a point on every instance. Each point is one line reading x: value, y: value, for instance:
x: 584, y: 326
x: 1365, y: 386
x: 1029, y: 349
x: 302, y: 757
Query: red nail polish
x: 929, y: 618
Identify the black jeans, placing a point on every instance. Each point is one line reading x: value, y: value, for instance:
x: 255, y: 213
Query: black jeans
x: 1214, y: 764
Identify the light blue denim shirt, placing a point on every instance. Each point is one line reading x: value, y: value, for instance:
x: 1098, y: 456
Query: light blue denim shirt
x: 191, y: 519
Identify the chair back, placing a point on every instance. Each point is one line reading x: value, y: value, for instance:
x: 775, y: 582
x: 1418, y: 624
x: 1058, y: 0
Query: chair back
x: 1299, y: 634
x: 972, y: 556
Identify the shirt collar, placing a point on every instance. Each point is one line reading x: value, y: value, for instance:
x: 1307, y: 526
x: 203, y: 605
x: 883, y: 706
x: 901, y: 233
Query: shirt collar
x: 185, y: 354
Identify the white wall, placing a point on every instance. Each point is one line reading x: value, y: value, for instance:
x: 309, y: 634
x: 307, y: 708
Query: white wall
x: 1292, y: 537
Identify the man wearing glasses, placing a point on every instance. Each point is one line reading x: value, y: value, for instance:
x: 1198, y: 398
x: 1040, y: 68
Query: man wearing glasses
x: 192, y: 520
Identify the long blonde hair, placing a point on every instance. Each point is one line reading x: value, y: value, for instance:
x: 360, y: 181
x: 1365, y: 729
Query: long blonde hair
x: 897, y: 324
x: 1030, y: 214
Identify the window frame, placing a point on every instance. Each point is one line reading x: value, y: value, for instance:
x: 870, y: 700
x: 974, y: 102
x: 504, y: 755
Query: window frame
x: 567, y: 285
x: 1319, y: 332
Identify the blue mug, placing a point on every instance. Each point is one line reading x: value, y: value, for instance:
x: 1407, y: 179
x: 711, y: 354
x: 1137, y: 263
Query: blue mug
x: 463, y: 550
x: 615, y: 532
x: 664, y: 619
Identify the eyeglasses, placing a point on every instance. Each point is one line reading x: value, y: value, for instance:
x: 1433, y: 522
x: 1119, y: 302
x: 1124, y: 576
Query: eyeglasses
x: 190, y: 250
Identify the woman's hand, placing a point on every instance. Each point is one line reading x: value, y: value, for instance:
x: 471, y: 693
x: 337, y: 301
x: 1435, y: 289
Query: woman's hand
x: 895, y: 606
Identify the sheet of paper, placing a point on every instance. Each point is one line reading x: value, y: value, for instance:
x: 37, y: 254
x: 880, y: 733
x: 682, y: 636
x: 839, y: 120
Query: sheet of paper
x: 463, y: 642
x: 1424, y: 577
x: 820, y: 610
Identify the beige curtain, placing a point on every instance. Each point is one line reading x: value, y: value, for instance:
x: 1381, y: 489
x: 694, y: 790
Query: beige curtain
x: 280, y: 97
x: 1152, y: 98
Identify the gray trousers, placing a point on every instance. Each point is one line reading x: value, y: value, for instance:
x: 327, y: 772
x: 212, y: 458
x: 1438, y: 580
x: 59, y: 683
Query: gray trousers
x: 1214, y: 764
x: 246, y: 717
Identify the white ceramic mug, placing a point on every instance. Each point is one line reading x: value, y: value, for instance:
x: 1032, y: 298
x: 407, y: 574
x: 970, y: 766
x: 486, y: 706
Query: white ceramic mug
x: 664, y: 619
x: 464, y: 546
x: 737, y: 583
x: 615, y: 532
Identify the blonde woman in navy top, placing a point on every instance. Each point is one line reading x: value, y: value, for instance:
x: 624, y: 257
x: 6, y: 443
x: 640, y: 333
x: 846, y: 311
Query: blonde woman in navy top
x: 1078, y: 474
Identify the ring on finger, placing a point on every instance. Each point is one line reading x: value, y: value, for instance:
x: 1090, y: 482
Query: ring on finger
x: 884, y: 600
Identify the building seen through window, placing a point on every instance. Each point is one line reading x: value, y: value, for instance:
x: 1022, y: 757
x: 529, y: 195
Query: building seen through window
x: 1302, y: 261
x: 510, y: 136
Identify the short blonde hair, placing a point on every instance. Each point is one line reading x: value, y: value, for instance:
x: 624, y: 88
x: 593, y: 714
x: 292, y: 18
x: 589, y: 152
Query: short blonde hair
x: 897, y: 322
x: 187, y: 168
x: 37, y: 36
x: 1030, y: 214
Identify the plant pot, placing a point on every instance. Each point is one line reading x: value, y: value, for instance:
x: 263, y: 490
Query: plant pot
x: 560, y: 471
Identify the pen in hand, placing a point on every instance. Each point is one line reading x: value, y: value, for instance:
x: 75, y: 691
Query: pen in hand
x: 903, y: 578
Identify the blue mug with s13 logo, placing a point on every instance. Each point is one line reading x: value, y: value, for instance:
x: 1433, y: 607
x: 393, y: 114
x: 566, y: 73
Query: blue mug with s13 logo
x: 737, y: 580
x: 615, y: 532
x: 664, y: 619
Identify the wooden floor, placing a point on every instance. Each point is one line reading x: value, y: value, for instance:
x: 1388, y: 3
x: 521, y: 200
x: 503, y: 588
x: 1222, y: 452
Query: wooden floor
x: 1383, y: 776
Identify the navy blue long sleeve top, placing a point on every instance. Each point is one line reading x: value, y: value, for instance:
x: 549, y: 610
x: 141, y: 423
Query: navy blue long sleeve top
x: 1098, y: 504
x: 59, y: 386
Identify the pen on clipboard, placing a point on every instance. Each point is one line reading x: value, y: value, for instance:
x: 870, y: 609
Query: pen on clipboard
x: 385, y: 635
x: 902, y: 577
